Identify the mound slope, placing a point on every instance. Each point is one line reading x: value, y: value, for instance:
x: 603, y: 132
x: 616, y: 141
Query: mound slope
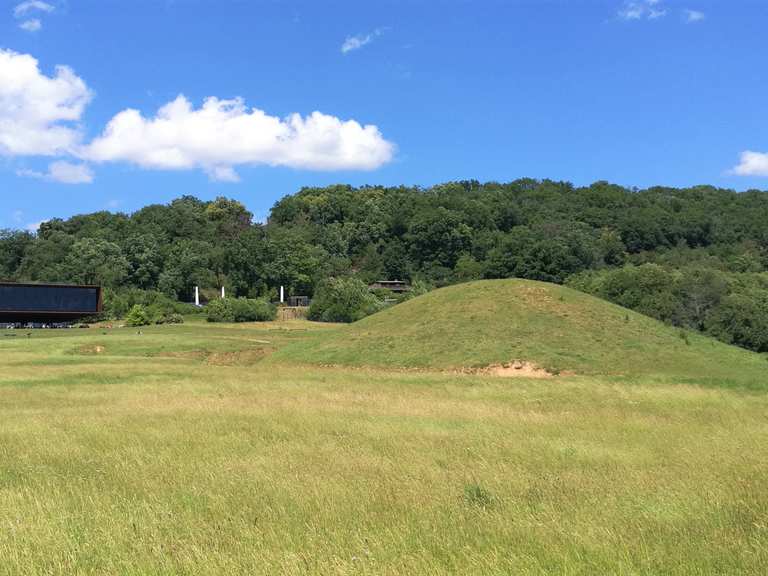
x: 497, y: 322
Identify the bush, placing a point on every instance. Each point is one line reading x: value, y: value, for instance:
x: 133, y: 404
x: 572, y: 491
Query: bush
x: 343, y: 300
x: 137, y: 316
x: 220, y: 310
x: 117, y: 303
x: 418, y: 288
x: 240, y: 310
x: 172, y: 318
x: 253, y: 310
x: 742, y: 319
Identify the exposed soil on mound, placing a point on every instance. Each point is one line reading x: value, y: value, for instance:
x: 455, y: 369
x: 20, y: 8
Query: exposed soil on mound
x: 517, y: 370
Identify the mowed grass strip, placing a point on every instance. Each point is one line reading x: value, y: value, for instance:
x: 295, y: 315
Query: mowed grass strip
x: 130, y: 462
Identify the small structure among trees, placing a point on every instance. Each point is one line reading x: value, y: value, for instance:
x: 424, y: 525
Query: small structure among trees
x: 395, y: 286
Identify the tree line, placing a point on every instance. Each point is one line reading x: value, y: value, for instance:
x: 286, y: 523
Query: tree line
x: 694, y: 257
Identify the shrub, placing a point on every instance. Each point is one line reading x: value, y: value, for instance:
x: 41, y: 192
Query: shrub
x: 343, y: 300
x: 171, y: 318
x: 137, y: 316
x: 418, y: 288
x: 240, y: 310
x: 220, y: 310
x: 117, y: 303
x: 253, y: 310
x: 742, y: 319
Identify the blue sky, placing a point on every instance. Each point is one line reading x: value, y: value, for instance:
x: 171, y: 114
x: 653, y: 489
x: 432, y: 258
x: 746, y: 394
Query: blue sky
x: 639, y: 93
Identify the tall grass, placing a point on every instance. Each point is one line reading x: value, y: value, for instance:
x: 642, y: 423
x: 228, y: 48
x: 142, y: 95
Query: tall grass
x: 179, y: 451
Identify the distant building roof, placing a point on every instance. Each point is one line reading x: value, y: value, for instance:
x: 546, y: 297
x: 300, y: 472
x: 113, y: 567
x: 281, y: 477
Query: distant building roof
x: 393, y: 285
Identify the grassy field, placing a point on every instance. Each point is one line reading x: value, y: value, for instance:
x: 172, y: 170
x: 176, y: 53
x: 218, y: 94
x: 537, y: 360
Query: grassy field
x: 201, y: 449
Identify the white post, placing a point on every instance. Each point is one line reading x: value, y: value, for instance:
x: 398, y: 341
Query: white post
x: 223, y: 295
x: 282, y: 295
x: 197, y: 296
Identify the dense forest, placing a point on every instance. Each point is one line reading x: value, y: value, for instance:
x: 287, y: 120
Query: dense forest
x: 695, y: 257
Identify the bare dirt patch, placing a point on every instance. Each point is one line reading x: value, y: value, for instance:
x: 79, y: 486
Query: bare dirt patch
x: 187, y: 354
x: 91, y: 349
x: 515, y: 369
x: 237, y: 358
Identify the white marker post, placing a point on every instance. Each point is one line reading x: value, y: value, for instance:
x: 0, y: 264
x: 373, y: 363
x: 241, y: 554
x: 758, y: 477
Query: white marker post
x: 282, y: 295
x: 197, y: 296
x: 223, y: 294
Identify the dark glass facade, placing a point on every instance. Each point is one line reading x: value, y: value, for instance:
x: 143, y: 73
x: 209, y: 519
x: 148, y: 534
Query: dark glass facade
x: 43, y: 301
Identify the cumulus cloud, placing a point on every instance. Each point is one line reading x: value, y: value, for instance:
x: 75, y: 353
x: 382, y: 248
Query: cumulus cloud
x: 63, y: 172
x: 356, y: 42
x: 752, y: 164
x: 32, y: 25
x: 223, y: 134
x: 692, y: 16
x: 642, y: 10
x: 38, y: 113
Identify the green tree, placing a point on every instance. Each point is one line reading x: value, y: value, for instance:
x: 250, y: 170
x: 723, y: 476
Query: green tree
x: 96, y: 261
x: 343, y: 300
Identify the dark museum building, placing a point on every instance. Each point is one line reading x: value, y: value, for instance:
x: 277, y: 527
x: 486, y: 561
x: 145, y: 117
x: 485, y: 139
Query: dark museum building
x: 47, y: 303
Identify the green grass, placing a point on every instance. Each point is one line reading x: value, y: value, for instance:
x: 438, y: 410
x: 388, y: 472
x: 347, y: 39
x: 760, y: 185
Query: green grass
x: 490, y: 322
x: 197, y: 449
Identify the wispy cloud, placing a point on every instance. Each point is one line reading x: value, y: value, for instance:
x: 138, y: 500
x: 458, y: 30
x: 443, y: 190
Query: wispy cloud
x: 23, y: 11
x: 25, y: 8
x: 642, y: 10
x: 62, y: 172
x: 692, y: 16
x: 353, y: 43
x: 31, y: 25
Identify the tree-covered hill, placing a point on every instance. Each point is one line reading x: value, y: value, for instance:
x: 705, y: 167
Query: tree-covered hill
x: 694, y: 257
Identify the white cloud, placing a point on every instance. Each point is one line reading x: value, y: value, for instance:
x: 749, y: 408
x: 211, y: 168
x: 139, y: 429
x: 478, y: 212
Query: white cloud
x: 692, y: 16
x: 752, y: 164
x: 40, y: 115
x: 31, y: 6
x: 642, y: 10
x: 62, y: 172
x: 356, y: 42
x: 223, y: 134
x: 35, y: 226
x: 38, y: 112
x: 223, y: 174
x: 32, y: 25
x: 17, y: 216
x: 69, y: 173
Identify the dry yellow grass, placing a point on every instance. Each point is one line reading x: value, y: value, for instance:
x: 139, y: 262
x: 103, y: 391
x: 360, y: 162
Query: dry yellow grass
x: 133, y: 461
